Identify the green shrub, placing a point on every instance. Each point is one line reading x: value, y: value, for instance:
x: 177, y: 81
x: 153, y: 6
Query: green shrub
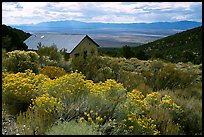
x: 66, y: 65
x: 168, y: 77
x: 33, y: 122
x: 46, y: 61
x: 104, y: 74
x: 71, y: 128
x: 3, y: 59
x: 192, y: 115
x: 19, y: 61
x: 52, y: 72
x: 51, y: 56
x: 30, y: 122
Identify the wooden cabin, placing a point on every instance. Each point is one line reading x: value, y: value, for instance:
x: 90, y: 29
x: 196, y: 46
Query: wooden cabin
x: 77, y: 45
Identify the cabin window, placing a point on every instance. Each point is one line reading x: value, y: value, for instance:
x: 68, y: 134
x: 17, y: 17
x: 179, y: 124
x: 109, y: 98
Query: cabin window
x: 76, y: 55
x: 85, y: 54
x: 92, y: 51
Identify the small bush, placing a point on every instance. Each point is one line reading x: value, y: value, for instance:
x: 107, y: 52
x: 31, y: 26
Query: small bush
x: 66, y: 65
x: 104, y: 74
x: 52, y: 72
x: 49, y: 51
x: 46, y: 104
x: 168, y: 77
x: 103, y: 97
x: 33, y: 122
x: 71, y: 128
x: 19, y: 61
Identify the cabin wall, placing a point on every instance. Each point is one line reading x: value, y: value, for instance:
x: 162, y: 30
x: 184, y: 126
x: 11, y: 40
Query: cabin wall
x: 85, y: 49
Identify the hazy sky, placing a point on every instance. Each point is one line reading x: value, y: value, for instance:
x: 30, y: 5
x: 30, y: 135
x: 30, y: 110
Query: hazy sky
x: 108, y: 12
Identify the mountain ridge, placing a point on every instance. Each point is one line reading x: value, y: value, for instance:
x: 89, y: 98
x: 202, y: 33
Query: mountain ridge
x: 79, y: 24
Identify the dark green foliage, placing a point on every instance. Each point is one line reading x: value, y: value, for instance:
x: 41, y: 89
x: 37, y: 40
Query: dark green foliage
x: 140, y: 54
x: 113, y: 52
x: 63, y: 51
x: 51, y: 52
x: 127, y: 52
x: 12, y: 39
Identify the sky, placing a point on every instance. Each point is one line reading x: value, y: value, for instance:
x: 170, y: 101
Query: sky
x: 106, y: 12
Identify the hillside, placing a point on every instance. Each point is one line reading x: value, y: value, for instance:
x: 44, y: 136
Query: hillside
x: 181, y: 47
x: 13, y: 38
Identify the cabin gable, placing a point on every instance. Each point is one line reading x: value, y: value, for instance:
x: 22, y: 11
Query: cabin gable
x: 86, y: 48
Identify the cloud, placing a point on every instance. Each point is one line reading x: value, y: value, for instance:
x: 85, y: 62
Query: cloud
x: 113, y: 19
x: 18, y: 6
x: 117, y: 12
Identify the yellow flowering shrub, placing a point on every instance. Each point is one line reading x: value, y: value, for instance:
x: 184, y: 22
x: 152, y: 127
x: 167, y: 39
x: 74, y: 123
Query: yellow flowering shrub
x: 134, y: 125
x: 69, y: 89
x: 18, y: 89
x: 80, y: 94
x: 52, y: 71
x: 156, y: 99
x: 167, y: 102
x: 110, y: 87
x: 136, y: 120
x: 143, y: 112
x: 139, y: 125
x: 65, y: 86
x: 166, y: 113
x: 47, y: 104
x: 152, y: 99
x: 103, y: 97
x: 93, y: 118
x: 97, y: 121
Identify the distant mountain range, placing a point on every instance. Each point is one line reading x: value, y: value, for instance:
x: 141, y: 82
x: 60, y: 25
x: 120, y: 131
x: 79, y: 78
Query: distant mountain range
x: 72, y: 24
